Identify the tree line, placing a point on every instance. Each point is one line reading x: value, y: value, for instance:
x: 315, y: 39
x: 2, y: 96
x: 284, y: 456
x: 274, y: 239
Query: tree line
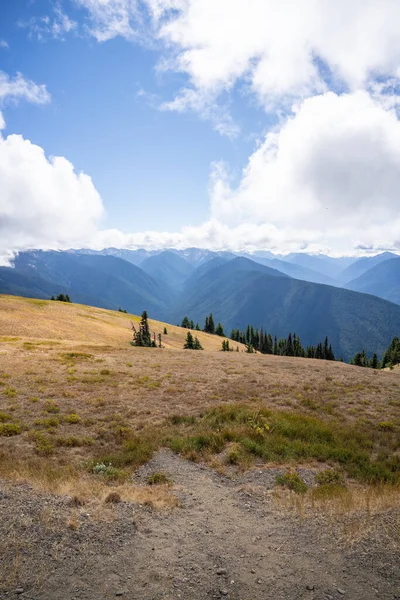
x: 209, y: 325
x: 258, y: 340
x: 264, y: 342
x: 391, y: 357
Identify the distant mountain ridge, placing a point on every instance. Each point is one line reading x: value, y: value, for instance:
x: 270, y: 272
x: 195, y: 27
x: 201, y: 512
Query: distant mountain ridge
x: 238, y: 289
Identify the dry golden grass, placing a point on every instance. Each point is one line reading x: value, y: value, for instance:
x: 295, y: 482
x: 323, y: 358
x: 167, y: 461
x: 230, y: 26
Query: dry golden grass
x: 73, y: 388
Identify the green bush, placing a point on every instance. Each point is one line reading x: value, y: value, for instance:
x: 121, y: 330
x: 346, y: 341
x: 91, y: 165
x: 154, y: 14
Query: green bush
x: 330, y: 477
x: 158, y: 479
x: 10, y: 429
x: 292, y: 481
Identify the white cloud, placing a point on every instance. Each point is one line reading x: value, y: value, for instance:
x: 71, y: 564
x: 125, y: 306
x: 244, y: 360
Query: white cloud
x: 44, y: 203
x: 4, y: 44
x: 326, y: 180
x: 55, y: 25
x: 332, y: 169
x: 277, y: 47
x: 21, y: 88
x: 112, y: 18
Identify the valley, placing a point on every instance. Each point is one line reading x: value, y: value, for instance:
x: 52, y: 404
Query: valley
x: 278, y: 294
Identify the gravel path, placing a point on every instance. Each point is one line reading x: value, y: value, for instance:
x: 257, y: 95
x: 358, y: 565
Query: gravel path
x: 226, y: 540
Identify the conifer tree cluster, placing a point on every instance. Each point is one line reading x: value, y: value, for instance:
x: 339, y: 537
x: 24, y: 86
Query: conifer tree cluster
x: 61, y: 298
x: 142, y: 337
x: 262, y: 341
x: 392, y: 354
x: 192, y: 343
x: 226, y: 347
x: 390, y: 358
x: 209, y: 326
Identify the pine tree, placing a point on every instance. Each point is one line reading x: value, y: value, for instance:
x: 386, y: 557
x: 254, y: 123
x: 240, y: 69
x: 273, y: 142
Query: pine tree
x: 289, y: 346
x: 143, y: 336
x: 52, y: 298
x: 374, y: 363
x: 188, y: 345
x: 165, y: 331
x: 185, y: 323
x: 197, y: 327
x: 196, y: 344
x: 392, y: 354
x: 219, y: 330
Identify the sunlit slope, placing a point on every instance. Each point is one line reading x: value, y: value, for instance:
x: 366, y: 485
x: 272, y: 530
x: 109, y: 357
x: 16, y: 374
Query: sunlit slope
x: 32, y: 319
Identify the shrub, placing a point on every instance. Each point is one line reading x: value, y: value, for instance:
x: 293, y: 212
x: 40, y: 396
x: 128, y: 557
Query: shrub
x: 330, y: 477
x: 43, y: 445
x: 72, y: 419
x: 108, y: 471
x: 292, y: 481
x: 47, y: 423
x: 387, y: 426
x: 158, y: 479
x: 52, y: 407
x: 10, y: 429
x: 4, y: 417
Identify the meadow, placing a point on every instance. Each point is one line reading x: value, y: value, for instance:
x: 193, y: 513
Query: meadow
x: 81, y: 409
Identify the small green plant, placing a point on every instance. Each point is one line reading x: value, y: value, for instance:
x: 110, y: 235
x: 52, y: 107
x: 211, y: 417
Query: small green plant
x: 72, y: 419
x: 74, y: 441
x: 43, y: 446
x: 49, y: 423
x: 51, y: 407
x: 10, y: 392
x: 292, y: 481
x: 387, y: 426
x: 108, y: 471
x: 4, y: 417
x: 10, y: 429
x: 234, y: 455
x: 158, y: 479
x: 332, y: 477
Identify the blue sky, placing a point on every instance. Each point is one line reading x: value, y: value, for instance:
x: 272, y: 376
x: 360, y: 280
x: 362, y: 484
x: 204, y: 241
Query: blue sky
x: 224, y: 124
x: 143, y: 161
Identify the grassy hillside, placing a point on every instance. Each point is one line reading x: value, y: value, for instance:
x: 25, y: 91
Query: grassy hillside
x: 74, y: 394
x: 34, y: 320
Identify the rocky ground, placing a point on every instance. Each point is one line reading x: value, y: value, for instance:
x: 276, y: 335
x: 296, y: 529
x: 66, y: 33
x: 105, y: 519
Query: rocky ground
x: 228, y: 539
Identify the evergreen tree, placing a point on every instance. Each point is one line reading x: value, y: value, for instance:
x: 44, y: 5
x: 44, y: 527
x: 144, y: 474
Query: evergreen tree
x: 143, y: 336
x: 192, y: 343
x: 165, y: 331
x: 191, y: 325
x: 374, y: 363
x: 196, y: 344
x: 52, y: 298
x: 189, y: 343
x: 185, y: 323
x: 289, y: 346
x: 219, y: 330
x: 392, y: 354
x: 198, y: 327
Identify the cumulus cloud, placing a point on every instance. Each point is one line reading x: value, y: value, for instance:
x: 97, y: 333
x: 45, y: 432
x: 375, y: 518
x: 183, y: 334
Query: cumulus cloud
x: 327, y: 180
x: 280, y: 49
x: 44, y: 203
x: 20, y: 88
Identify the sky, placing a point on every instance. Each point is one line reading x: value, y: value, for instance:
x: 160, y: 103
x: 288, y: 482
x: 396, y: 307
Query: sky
x: 221, y: 124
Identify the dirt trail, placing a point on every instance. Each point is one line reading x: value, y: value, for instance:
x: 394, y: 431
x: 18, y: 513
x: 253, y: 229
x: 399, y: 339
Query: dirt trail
x: 223, y: 541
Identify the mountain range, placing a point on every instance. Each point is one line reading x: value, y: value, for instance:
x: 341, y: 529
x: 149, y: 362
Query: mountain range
x: 313, y: 296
